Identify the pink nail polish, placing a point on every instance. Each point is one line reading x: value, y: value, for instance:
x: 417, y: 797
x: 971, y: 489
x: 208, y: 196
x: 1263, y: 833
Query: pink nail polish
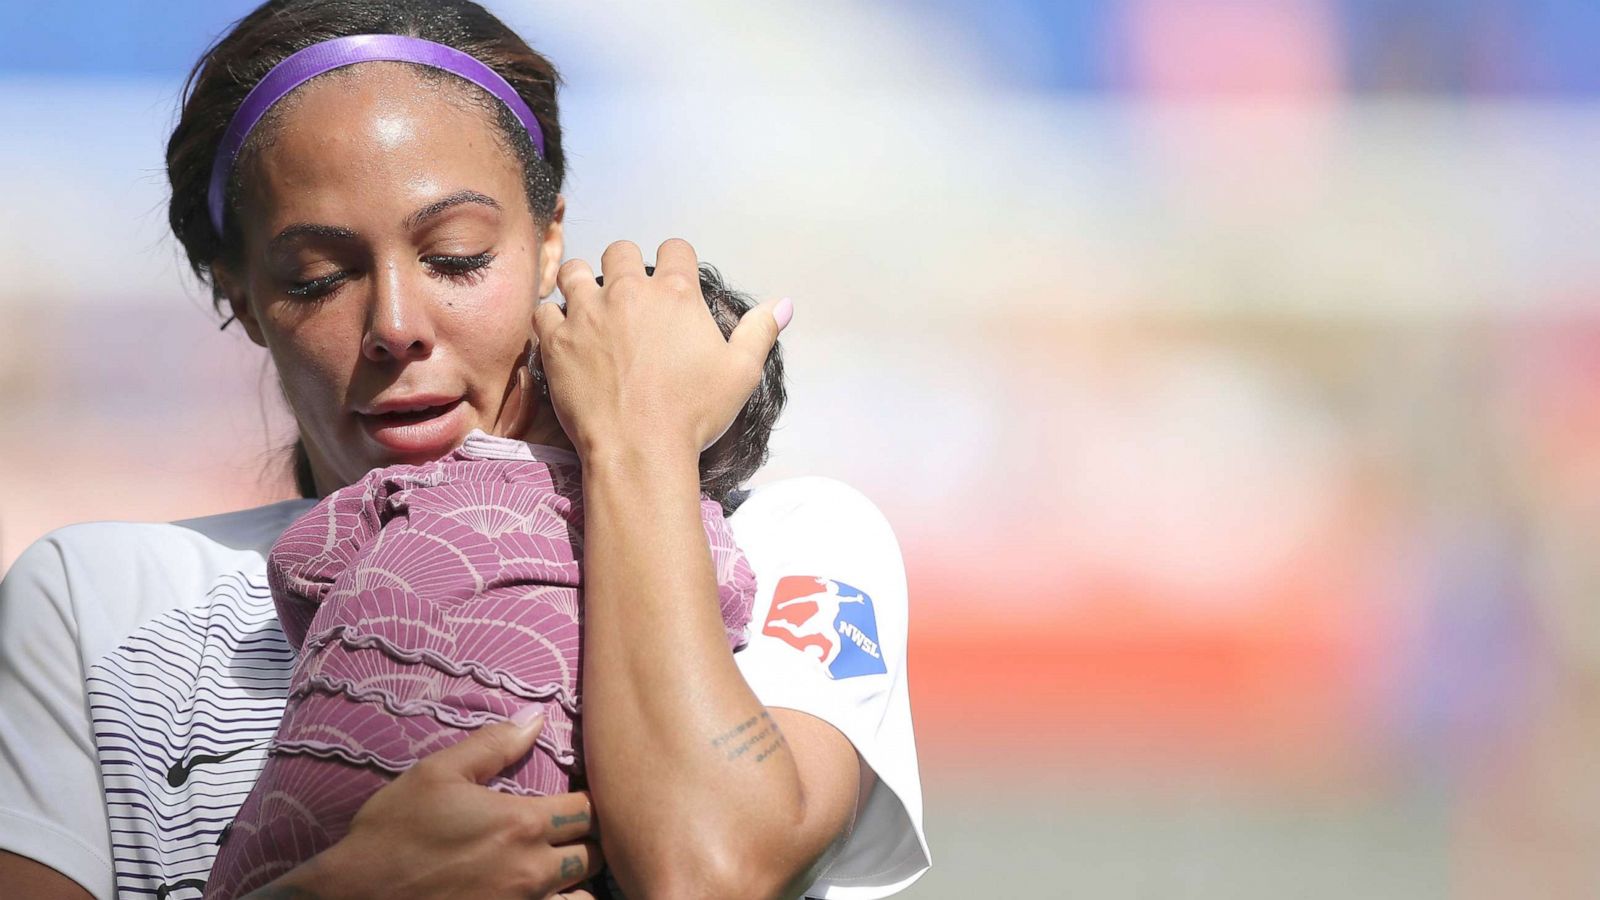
x: 783, y: 312
x: 526, y: 716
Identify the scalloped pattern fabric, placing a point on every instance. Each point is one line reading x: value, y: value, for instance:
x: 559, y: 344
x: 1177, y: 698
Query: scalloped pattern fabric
x: 426, y: 601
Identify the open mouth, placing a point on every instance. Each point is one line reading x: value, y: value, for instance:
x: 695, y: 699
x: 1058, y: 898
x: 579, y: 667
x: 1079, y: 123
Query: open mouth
x: 421, y: 414
x: 419, y: 431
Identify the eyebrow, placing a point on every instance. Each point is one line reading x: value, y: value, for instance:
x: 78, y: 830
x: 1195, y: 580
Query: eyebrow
x: 412, y: 221
x: 310, y: 229
x: 453, y: 200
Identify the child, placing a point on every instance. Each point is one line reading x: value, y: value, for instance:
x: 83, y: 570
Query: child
x: 432, y: 599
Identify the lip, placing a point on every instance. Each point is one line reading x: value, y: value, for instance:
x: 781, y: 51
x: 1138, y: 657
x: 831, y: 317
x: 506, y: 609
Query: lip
x: 418, y: 426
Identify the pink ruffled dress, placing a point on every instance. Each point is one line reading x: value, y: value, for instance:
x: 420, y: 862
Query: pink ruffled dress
x: 426, y: 601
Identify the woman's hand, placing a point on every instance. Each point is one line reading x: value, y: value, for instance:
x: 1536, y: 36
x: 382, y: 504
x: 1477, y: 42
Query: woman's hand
x: 640, y: 363
x: 436, y: 832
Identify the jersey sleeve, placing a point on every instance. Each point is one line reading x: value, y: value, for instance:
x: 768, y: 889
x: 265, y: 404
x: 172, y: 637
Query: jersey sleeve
x: 828, y: 638
x: 51, y: 809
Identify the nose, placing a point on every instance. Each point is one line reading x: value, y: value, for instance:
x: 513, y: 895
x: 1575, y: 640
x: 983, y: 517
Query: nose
x: 399, y: 321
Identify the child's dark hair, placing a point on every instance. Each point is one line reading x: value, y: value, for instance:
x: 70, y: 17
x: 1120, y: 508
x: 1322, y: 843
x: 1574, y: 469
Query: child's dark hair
x: 731, y: 461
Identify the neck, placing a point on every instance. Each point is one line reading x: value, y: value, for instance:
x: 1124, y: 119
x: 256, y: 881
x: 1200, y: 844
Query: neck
x: 546, y: 429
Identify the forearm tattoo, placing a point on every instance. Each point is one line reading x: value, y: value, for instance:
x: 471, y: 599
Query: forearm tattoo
x: 758, y: 735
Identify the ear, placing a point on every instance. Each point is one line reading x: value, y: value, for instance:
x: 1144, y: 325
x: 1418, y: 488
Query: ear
x: 232, y: 287
x: 551, y: 245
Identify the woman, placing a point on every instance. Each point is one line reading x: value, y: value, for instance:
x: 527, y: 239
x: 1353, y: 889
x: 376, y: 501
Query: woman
x: 386, y: 232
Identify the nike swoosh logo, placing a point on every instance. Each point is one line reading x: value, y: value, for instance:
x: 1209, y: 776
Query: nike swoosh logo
x: 178, y: 773
x: 165, y: 891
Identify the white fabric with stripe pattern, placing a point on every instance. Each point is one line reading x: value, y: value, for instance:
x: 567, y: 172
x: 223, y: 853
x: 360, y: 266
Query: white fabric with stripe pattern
x: 142, y: 672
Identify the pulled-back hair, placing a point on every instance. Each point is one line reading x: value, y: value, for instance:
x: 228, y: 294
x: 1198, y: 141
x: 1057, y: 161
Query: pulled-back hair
x: 225, y: 74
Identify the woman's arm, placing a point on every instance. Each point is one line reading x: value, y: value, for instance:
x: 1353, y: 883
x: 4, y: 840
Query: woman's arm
x: 54, y: 839
x: 22, y: 877
x: 701, y: 790
x: 725, y: 798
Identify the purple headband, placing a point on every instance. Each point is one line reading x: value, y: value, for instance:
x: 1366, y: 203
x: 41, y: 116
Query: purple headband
x: 303, y: 65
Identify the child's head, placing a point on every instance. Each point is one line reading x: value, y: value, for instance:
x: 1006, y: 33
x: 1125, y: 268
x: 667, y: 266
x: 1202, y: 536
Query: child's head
x: 738, y: 454
x: 742, y: 450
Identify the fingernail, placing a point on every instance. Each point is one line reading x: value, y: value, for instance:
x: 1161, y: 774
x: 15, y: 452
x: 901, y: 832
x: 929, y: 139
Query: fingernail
x: 783, y: 312
x: 528, y: 716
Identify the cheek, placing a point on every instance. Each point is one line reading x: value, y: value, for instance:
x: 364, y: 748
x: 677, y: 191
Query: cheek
x: 315, y: 356
x: 494, y: 324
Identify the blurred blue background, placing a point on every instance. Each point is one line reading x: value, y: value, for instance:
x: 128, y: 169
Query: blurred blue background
x: 1230, y: 370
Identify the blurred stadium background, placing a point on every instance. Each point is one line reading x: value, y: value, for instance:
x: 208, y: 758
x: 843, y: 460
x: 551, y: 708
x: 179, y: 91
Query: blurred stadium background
x: 1229, y: 368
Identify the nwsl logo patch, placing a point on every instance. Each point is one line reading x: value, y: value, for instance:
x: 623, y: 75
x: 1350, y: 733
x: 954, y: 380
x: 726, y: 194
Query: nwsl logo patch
x: 829, y: 621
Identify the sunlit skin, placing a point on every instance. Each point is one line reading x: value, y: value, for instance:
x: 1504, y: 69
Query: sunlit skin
x: 369, y: 289
x: 390, y: 262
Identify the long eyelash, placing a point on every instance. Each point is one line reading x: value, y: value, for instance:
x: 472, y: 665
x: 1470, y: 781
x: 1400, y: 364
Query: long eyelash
x: 461, y: 269
x: 316, y: 288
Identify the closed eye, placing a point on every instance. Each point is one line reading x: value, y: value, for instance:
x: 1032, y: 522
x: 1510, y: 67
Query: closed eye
x: 464, y: 269
x: 461, y: 269
x: 317, y: 287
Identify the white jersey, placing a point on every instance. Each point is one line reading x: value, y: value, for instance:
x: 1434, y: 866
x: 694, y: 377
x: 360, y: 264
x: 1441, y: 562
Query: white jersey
x: 143, y: 672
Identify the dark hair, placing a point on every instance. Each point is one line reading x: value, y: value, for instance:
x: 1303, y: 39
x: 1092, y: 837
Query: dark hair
x: 737, y: 455
x: 225, y: 74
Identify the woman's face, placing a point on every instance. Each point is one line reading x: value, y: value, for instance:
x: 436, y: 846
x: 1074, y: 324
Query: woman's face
x: 391, y: 265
